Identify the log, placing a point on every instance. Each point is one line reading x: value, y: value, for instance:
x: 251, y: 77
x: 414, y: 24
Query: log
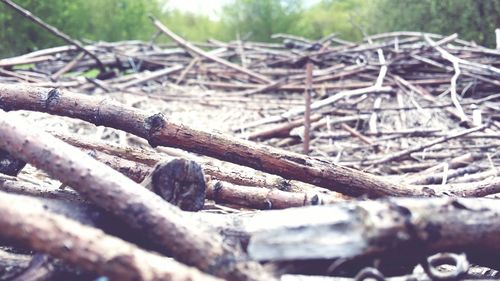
x: 368, y: 228
x: 85, y: 246
x: 188, y: 240
x: 159, y: 131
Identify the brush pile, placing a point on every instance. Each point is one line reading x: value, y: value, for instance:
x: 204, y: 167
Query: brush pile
x: 174, y: 154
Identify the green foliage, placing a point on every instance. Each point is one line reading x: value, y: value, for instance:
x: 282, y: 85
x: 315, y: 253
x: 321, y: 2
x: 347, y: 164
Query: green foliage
x: 471, y: 19
x: 108, y: 20
x: 194, y: 27
x: 343, y: 17
x: 112, y: 20
x: 260, y: 19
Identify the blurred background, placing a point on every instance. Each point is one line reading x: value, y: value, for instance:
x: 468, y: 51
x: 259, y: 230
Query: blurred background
x: 198, y: 20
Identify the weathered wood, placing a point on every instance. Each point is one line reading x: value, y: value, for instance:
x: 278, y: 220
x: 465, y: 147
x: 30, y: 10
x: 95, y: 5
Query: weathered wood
x: 263, y: 198
x: 186, y: 239
x: 366, y: 228
x: 159, y: 131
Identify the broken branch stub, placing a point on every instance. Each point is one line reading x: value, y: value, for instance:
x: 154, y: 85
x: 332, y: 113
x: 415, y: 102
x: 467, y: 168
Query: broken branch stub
x: 181, y: 182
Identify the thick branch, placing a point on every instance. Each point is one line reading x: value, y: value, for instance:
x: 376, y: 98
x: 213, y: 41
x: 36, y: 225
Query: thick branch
x: 84, y: 246
x: 363, y: 228
x: 159, y: 131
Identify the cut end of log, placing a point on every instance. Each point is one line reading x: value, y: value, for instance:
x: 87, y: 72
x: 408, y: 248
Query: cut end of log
x: 180, y: 182
x: 10, y: 165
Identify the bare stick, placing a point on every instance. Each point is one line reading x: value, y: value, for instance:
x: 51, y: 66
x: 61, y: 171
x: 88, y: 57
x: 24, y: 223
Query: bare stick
x: 85, y: 246
x: 409, y: 151
x: 357, y: 134
x: 188, y: 240
x: 307, y: 111
x: 53, y: 30
x: 453, y: 86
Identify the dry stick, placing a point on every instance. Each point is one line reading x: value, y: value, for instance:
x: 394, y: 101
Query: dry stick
x: 280, y: 130
x: 186, y: 70
x: 409, y: 151
x: 497, y: 36
x: 185, y: 44
x: 67, y: 67
x: 261, y: 197
x: 24, y: 60
x: 470, y: 189
x: 426, y: 95
x: 307, y: 111
x: 188, y: 240
x: 321, y: 103
x: 357, y: 134
x: 41, y: 268
x: 150, y: 76
x: 453, y: 86
x: 85, y: 246
x: 53, y: 30
x: 456, y: 162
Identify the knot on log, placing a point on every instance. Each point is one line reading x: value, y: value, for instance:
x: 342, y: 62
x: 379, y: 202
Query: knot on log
x: 180, y: 182
x: 153, y: 124
x: 10, y: 165
x: 52, y: 99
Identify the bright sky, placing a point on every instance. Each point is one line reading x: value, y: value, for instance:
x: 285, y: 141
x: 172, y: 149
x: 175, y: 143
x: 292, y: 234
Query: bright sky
x: 208, y: 7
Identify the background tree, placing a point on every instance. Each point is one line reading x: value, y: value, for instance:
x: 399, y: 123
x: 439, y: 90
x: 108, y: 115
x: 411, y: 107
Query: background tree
x: 261, y: 18
x: 346, y: 18
x: 471, y: 19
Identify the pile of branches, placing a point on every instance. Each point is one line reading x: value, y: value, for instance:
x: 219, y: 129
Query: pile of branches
x: 386, y: 137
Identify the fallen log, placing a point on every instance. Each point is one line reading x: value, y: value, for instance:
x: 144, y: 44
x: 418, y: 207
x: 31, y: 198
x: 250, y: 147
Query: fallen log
x: 172, y: 230
x: 159, y: 131
x: 367, y: 228
x: 85, y: 246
